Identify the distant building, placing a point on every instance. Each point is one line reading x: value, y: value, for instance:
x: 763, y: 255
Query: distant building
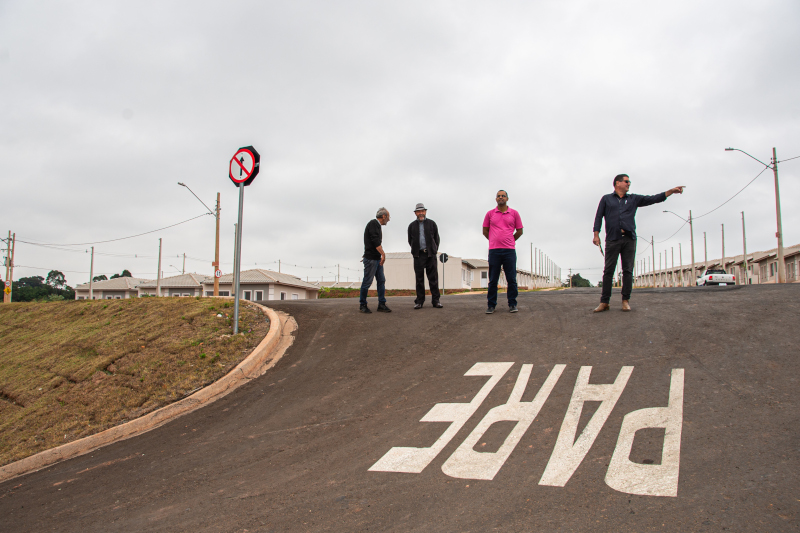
x: 259, y: 284
x: 110, y: 289
x: 180, y: 285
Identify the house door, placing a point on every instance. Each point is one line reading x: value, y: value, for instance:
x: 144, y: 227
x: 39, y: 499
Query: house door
x: 484, y: 280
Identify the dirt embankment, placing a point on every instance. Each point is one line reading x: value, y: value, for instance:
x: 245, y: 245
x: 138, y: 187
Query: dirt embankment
x: 71, y: 369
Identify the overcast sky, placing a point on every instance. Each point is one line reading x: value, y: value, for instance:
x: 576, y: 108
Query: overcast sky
x: 105, y: 106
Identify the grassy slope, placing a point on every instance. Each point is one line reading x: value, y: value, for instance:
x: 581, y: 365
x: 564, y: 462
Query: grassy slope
x: 71, y: 369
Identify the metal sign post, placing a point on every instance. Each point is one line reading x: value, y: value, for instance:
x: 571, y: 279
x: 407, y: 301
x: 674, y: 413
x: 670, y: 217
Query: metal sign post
x: 243, y: 169
x: 443, y: 258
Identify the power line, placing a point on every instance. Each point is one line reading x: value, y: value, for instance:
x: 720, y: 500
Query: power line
x: 114, y: 240
x: 735, y: 195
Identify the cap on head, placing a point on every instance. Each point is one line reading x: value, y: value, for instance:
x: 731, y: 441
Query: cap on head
x: 420, y: 207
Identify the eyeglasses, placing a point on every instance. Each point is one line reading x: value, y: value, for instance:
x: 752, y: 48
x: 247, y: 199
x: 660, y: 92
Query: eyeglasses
x: 626, y: 181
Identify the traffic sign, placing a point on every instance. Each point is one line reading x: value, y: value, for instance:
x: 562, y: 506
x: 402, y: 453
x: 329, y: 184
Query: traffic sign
x: 244, y: 166
x: 8, y: 283
x: 443, y: 258
x: 218, y: 273
x: 7, y: 290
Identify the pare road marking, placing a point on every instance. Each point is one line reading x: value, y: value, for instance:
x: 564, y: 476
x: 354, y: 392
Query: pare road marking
x: 623, y: 474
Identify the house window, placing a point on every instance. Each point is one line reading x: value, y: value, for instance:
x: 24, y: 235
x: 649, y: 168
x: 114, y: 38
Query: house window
x: 295, y: 296
x: 177, y: 294
x: 224, y: 293
x: 109, y: 298
x: 484, y: 275
x: 209, y: 293
x: 259, y: 295
x: 283, y: 296
x: 80, y: 297
x: 246, y: 295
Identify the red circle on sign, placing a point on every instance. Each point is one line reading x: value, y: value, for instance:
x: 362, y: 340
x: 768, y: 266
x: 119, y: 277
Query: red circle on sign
x: 247, y: 174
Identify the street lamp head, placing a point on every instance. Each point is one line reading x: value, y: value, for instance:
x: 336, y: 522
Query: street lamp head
x: 730, y: 149
x: 181, y: 184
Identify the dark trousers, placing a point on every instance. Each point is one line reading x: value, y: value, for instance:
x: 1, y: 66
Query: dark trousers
x: 505, y: 258
x: 625, y: 248
x: 373, y: 270
x: 426, y: 265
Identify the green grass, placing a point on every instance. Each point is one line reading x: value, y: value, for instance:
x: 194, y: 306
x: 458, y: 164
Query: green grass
x: 73, y: 368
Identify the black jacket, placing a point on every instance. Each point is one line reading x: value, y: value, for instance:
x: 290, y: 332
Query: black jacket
x: 373, y: 236
x: 619, y: 213
x: 431, y: 237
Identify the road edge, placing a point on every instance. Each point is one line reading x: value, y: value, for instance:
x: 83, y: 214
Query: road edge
x: 262, y: 358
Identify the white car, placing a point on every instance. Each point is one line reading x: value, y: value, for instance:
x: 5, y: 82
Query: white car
x: 716, y: 277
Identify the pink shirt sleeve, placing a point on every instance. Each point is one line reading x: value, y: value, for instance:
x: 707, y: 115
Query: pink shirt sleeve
x: 486, y: 219
x: 518, y: 220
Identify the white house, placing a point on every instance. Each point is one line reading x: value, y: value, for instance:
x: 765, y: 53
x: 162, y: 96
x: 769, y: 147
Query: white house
x: 110, y: 289
x: 259, y: 284
x: 180, y: 285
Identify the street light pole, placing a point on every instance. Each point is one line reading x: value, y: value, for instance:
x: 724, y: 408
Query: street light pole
x: 653, y: 252
x: 723, y: 247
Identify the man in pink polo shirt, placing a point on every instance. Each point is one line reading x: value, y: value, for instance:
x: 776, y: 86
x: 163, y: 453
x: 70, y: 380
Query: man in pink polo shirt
x: 502, y: 226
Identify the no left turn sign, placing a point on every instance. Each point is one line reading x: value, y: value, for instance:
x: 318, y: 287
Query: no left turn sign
x: 244, y: 166
x: 218, y: 273
x: 8, y: 283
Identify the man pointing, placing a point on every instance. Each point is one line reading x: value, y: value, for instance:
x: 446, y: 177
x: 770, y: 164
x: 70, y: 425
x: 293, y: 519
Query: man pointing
x: 618, y: 209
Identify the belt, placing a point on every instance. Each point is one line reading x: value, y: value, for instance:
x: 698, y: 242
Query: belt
x: 424, y: 250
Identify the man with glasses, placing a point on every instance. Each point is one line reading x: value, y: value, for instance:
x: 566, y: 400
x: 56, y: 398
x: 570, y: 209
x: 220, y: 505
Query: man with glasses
x: 619, y: 209
x: 502, y: 226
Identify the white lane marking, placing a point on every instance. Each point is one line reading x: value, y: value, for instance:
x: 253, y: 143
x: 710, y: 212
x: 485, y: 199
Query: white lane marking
x: 414, y: 460
x: 650, y: 480
x: 466, y: 463
x: 568, y: 452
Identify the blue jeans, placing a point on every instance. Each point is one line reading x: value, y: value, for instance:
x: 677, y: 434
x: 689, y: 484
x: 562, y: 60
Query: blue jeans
x: 505, y: 258
x: 373, y: 270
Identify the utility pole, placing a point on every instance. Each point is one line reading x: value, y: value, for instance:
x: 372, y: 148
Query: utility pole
x: 723, y: 247
x: 279, y: 266
x: 680, y: 259
x: 532, y: 282
x: 744, y: 249
x: 653, y: 253
x: 705, y: 252
x: 570, y: 275
x: 338, y: 274
x: 691, y: 236
x: 7, y: 296
x: 183, y: 271
x: 216, y: 250
x: 158, y: 274
x: 91, y: 275
x: 672, y: 270
x: 779, y: 233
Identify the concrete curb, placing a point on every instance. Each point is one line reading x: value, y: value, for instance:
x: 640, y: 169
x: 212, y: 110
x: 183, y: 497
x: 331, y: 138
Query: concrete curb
x: 263, y: 357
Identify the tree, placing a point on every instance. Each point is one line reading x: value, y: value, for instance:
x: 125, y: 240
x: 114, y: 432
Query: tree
x: 33, y: 282
x: 56, y: 279
x: 125, y: 274
x: 101, y: 277
x: 578, y: 281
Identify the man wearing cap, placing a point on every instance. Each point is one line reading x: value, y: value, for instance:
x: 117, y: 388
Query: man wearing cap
x: 502, y: 226
x: 423, y: 237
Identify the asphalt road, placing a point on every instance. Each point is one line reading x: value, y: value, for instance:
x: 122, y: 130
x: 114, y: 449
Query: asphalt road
x: 711, y: 398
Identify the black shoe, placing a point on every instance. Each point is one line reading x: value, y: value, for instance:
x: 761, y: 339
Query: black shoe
x: 417, y: 306
x: 383, y: 309
x: 512, y: 309
x: 489, y: 310
x: 365, y: 309
x: 437, y: 305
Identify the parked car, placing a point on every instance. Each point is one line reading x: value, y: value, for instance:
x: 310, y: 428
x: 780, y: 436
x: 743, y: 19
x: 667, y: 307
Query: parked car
x: 716, y: 276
